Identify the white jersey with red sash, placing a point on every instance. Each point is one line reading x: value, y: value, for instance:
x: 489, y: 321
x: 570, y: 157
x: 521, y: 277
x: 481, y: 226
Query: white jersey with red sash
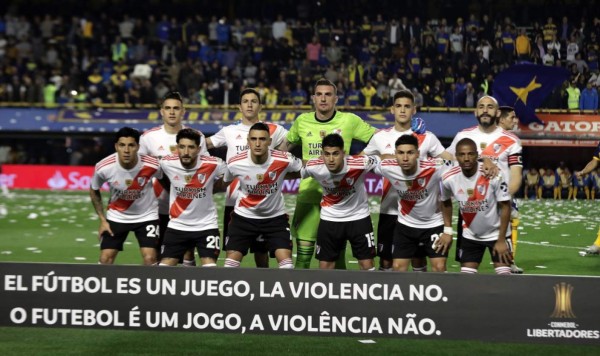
x: 192, y: 207
x: 344, y: 194
x: 418, y: 204
x: 260, y: 184
x: 131, y: 195
x: 383, y: 142
x: 478, y: 199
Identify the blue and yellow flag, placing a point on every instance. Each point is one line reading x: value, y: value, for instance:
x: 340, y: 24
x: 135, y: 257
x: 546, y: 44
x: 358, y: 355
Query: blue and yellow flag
x: 525, y: 86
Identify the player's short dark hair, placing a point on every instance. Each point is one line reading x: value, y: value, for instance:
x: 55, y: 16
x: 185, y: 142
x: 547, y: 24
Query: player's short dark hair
x: 190, y: 134
x: 404, y: 94
x: 504, y: 111
x: 333, y: 140
x: 250, y: 91
x: 172, y: 94
x: 326, y: 82
x: 128, y: 132
x: 407, y: 140
x: 261, y: 127
x: 466, y: 142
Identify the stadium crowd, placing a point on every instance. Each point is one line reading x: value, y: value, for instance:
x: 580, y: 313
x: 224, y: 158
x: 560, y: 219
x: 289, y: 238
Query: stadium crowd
x: 130, y: 58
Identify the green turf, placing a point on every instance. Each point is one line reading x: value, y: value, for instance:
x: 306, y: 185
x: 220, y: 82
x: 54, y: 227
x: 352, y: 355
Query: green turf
x: 20, y: 341
x: 62, y: 227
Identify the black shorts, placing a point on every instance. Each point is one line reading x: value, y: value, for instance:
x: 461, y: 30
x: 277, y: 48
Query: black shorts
x: 472, y: 250
x: 163, y: 223
x: 410, y: 241
x: 385, y: 235
x: 177, y: 242
x: 258, y: 246
x: 243, y: 232
x: 146, y: 232
x: 332, y: 237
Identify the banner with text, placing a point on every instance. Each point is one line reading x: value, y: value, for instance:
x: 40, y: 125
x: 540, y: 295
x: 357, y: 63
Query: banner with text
x: 561, y: 125
x: 549, y: 309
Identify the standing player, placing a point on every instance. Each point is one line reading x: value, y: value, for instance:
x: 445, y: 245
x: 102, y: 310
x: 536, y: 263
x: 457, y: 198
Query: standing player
x: 192, y: 213
x: 493, y: 143
x: 259, y: 208
x: 132, y: 205
x: 509, y: 121
x: 589, y: 168
x: 160, y: 142
x: 485, y: 206
x: 419, y: 220
x: 383, y: 143
x: 234, y: 137
x: 308, y: 130
x: 345, y: 214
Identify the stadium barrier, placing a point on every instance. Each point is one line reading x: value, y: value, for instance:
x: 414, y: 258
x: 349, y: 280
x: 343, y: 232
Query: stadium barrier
x: 544, y: 309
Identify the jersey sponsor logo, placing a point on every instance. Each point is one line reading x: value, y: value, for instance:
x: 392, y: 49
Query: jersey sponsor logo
x: 460, y: 191
x: 388, y: 146
x: 309, y: 134
x: 247, y: 178
x: 161, y: 148
x: 176, y: 178
x: 481, y: 189
x: 239, y: 137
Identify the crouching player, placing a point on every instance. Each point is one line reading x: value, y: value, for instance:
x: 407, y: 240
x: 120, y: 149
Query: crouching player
x: 190, y: 178
x: 485, y: 206
x: 345, y: 214
x: 259, y: 208
x: 419, y: 225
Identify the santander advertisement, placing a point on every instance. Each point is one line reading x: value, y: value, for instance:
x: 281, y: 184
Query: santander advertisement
x: 48, y: 177
x: 24, y: 176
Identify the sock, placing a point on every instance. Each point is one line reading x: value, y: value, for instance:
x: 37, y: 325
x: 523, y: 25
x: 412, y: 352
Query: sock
x: 385, y: 269
x: 231, y: 263
x: 514, y: 236
x: 163, y: 264
x: 286, y: 263
x: 371, y: 269
x: 502, y: 270
x: 420, y: 269
x: 189, y: 263
x: 304, y: 255
x: 472, y: 270
x: 209, y: 265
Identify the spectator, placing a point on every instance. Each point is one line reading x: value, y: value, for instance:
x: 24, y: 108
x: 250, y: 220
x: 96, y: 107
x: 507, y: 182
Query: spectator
x: 589, y: 98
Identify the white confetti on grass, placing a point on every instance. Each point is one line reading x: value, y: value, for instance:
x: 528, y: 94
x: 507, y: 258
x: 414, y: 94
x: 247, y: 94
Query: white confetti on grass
x: 80, y: 240
x: 367, y: 341
x: 31, y: 248
x: 541, y: 267
x: 32, y: 216
x: 6, y: 252
x: 80, y: 258
x: 37, y: 251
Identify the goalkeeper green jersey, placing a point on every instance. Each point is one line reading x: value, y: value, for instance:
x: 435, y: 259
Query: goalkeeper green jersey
x: 309, y: 132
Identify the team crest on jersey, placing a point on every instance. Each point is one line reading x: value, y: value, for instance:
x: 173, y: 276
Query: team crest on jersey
x: 141, y: 181
x: 201, y: 178
x: 497, y: 147
x: 421, y: 182
x: 272, y: 175
x: 408, y: 183
x: 470, y: 192
x: 128, y: 182
x: 323, y: 133
x: 187, y: 178
x: 350, y: 180
x: 260, y: 177
x: 481, y: 189
x: 173, y: 148
x: 483, y: 145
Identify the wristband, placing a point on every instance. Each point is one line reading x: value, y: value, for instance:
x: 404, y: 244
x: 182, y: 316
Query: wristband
x: 448, y: 230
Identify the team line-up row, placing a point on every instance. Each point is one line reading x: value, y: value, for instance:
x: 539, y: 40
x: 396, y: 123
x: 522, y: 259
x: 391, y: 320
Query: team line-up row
x: 332, y: 206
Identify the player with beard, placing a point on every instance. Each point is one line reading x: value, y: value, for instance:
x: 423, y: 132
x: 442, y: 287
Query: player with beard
x: 496, y: 144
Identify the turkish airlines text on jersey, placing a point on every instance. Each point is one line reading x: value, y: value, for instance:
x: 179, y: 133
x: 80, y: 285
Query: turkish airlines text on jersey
x: 24, y: 176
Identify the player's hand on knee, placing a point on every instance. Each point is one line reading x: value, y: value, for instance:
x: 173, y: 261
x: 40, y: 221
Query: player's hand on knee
x: 501, y: 250
x: 104, y: 227
x: 442, y: 244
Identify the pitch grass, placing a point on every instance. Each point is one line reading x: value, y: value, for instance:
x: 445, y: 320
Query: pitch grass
x: 41, y: 341
x: 62, y: 227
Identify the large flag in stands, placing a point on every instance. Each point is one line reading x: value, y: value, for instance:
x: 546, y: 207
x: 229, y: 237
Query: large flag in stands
x: 525, y: 86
